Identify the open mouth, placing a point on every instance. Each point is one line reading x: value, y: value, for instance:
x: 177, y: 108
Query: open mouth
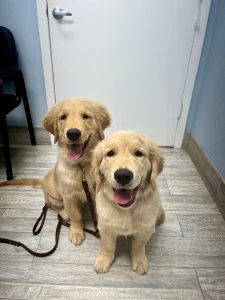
x: 124, y: 197
x: 76, y: 151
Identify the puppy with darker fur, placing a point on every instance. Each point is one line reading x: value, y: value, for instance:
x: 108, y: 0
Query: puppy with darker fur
x: 77, y: 125
x: 126, y: 166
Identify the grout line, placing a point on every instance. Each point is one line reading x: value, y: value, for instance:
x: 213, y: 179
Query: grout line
x: 168, y: 186
x: 181, y: 228
x: 54, y: 262
x: 199, y: 284
x: 3, y: 211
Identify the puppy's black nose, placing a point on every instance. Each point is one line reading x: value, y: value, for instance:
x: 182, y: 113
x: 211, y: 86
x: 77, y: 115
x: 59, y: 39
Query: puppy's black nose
x: 73, y: 134
x: 123, y: 176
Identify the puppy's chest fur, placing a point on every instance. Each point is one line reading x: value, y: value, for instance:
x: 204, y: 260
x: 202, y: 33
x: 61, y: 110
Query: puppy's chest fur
x: 69, y: 179
x: 122, y: 221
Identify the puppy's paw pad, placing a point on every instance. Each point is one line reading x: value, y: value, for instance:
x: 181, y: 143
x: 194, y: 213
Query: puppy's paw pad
x: 140, y: 266
x: 102, y: 264
x: 76, y: 236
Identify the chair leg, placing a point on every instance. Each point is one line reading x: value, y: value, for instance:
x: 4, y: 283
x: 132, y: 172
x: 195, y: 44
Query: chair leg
x: 6, y: 149
x: 27, y: 108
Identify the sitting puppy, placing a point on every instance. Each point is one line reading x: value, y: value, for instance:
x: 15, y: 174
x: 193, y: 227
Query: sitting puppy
x: 127, y: 201
x: 77, y: 125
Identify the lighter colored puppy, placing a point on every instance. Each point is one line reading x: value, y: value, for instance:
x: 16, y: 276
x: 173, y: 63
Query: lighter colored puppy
x: 127, y: 201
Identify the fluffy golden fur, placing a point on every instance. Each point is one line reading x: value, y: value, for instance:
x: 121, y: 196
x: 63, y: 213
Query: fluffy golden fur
x: 62, y: 186
x: 136, y: 215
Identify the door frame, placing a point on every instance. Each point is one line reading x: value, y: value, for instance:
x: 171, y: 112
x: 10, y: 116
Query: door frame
x: 201, y: 19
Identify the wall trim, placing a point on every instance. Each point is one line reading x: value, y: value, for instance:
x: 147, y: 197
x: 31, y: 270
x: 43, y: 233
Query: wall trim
x: 214, y: 181
x: 43, y: 26
x: 199, y: 35
x: 45, y: 42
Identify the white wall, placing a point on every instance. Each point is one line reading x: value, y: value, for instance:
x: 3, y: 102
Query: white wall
x: 20, y: 17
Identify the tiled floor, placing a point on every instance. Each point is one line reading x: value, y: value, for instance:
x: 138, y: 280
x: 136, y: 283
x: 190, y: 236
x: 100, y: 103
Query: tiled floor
x: 186, y: 254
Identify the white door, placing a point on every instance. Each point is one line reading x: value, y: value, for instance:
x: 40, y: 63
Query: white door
x: 131, y: 55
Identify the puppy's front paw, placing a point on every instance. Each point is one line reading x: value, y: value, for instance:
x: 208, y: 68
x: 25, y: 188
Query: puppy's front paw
x: 63, y: 214
x: 103, y: 263
x: 140, y: 264
x: 76, y: 236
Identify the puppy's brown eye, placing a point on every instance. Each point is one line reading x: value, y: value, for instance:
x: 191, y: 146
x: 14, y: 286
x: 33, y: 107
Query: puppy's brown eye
x: 110, y: 153
x: 63, y: 117
x: 138, y: 153
x: 86, y: 116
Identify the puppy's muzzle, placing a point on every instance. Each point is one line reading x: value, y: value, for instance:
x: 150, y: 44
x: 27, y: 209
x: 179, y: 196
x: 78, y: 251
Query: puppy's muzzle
x: 123, y: 176
x: 73, y: 134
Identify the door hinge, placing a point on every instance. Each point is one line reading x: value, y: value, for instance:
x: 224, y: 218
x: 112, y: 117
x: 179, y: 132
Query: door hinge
x: 181, y: 111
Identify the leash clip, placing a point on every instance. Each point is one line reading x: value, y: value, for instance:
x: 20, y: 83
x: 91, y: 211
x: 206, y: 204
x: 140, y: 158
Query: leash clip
x: 83, y: 175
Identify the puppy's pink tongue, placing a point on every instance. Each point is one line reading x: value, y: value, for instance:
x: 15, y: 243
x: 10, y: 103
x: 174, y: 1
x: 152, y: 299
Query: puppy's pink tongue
x: 123, y: 196
x: 74, y: 151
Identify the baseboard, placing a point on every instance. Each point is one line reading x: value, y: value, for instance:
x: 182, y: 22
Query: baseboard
x: 20, y: 136
x: 214, y: 182
x: 185, y: 139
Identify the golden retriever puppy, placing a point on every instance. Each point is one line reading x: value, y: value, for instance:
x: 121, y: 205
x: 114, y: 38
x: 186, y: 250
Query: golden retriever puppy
x: 77, y: 125
x: 127, y: 201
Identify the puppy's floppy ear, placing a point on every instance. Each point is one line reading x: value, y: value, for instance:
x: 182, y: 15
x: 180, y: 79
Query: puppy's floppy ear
x: 50, y: 121
x: 96, y: 163
x: 157, y: 162
x: 102, y: 117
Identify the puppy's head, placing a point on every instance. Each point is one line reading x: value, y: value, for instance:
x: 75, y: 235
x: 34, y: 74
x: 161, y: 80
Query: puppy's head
x: 77, y: 126
x: 125, y: 163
